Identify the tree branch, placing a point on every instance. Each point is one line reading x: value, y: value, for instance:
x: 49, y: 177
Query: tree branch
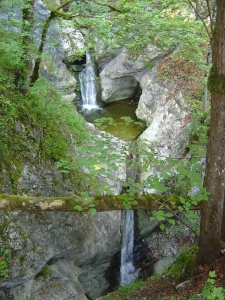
x: 210, y: 15
x: 203, y: 22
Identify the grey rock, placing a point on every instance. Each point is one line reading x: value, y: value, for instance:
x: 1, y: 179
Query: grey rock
x: 120, y: 76
x: 161, y: 265
x: 77, y: 250
x: 161, y: 105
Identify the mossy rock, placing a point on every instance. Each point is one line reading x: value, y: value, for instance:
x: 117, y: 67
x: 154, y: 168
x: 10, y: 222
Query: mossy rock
x: 184, y: 267
x: 189, y: 268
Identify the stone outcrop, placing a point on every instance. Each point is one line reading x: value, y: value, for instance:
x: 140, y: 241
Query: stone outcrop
x: 76, y: 250
x: 161, y: 105
x: 62, y: 255
x: 119, y: 77
x: 60, y: 50
x: 36, y: 179
x: 156, y: 248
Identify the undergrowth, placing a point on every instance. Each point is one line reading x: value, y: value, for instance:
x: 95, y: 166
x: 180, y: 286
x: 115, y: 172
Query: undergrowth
x: 40, y: 121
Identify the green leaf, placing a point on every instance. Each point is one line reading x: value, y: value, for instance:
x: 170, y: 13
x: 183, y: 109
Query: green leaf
x: 182, y: 200
x: 162, y: 226
x: 134, y: 202
x: 92, y: 210
x: 171, y: 221
x: 78, y: 207
x: 212, y: 274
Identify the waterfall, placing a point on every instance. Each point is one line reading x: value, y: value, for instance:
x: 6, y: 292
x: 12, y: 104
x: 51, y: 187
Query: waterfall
x: 88, y: 85
x: 127, y: 268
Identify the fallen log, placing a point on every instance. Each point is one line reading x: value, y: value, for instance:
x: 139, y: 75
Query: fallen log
x: 101, y: 203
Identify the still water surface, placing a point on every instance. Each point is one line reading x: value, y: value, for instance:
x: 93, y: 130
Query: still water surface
x: 116, y: 111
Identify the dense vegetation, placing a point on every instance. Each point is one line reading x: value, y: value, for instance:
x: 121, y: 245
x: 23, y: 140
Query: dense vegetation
x: 37, y: 124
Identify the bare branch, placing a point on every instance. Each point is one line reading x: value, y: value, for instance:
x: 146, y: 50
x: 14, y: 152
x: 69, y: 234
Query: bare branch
x: 202, y: 20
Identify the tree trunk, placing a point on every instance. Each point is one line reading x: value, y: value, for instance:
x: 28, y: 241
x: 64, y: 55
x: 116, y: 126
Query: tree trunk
x: 35, y: 74
x: 22, y: 75
x: 212, y: 210
x: 54, y: 13
x: 223, y: 222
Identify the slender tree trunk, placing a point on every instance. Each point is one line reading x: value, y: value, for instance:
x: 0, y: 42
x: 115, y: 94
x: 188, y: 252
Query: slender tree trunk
x: 22, y: 75
x: 27, y: 31
x: 54, y: 13
x: 212, y: 210
x: 35, y: 74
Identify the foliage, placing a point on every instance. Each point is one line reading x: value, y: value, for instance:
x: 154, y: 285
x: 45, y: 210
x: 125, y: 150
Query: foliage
x: 199, y: 132
x: 125, y: 291
x: 179, y: 177
x: 210, y: 291
x: 42, y: 114
x: 5, y: 257
x: 104, y: 160
x: 116, y: 24
x: 85, y: 200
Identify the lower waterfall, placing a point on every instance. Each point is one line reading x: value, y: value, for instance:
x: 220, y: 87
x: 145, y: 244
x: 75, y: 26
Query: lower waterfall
x: 127, y: 269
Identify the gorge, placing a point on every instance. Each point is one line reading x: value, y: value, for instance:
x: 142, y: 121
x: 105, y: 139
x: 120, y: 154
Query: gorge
x: 59, y: 254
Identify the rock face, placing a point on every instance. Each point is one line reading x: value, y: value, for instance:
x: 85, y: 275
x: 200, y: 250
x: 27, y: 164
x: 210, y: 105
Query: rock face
x: 161, y: 105
x: 43, y: 180
x: 59, y: 51
x: 62, y: 255
x: 75, y: 250
x: 156, y: 248
x: 120, y: 77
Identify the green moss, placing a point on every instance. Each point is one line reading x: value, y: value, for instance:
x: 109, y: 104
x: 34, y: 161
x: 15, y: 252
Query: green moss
x: 184, y: 267
x: 125, y: 291
x: 101, y: 203
x: 216, y: 82
x: 3, y: 235
x: 46, y: 272
x: 14, y: 166
x: 189, y: 268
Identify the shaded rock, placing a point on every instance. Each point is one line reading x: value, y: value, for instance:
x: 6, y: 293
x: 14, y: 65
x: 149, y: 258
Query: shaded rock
x: 120, y: 77
x: 76, y: 249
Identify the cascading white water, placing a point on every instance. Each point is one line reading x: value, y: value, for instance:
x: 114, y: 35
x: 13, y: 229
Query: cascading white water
x: 127, y: 269
x: 88, y: 85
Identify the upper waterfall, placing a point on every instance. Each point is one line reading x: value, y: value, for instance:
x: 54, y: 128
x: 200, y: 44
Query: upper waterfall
x: 88, y: 84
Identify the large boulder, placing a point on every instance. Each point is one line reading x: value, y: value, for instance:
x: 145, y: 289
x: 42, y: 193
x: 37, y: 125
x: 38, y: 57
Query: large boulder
x: 162, y: 107
x: 119, y: 77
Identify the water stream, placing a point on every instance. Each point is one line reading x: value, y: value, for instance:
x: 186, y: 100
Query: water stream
x: 91, y: 111
x: 91, y: 108
x: 88, y: 85
x: 127, y: 269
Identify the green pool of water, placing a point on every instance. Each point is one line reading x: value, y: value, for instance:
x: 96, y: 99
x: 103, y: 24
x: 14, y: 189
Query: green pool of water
x: 119, y: 127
